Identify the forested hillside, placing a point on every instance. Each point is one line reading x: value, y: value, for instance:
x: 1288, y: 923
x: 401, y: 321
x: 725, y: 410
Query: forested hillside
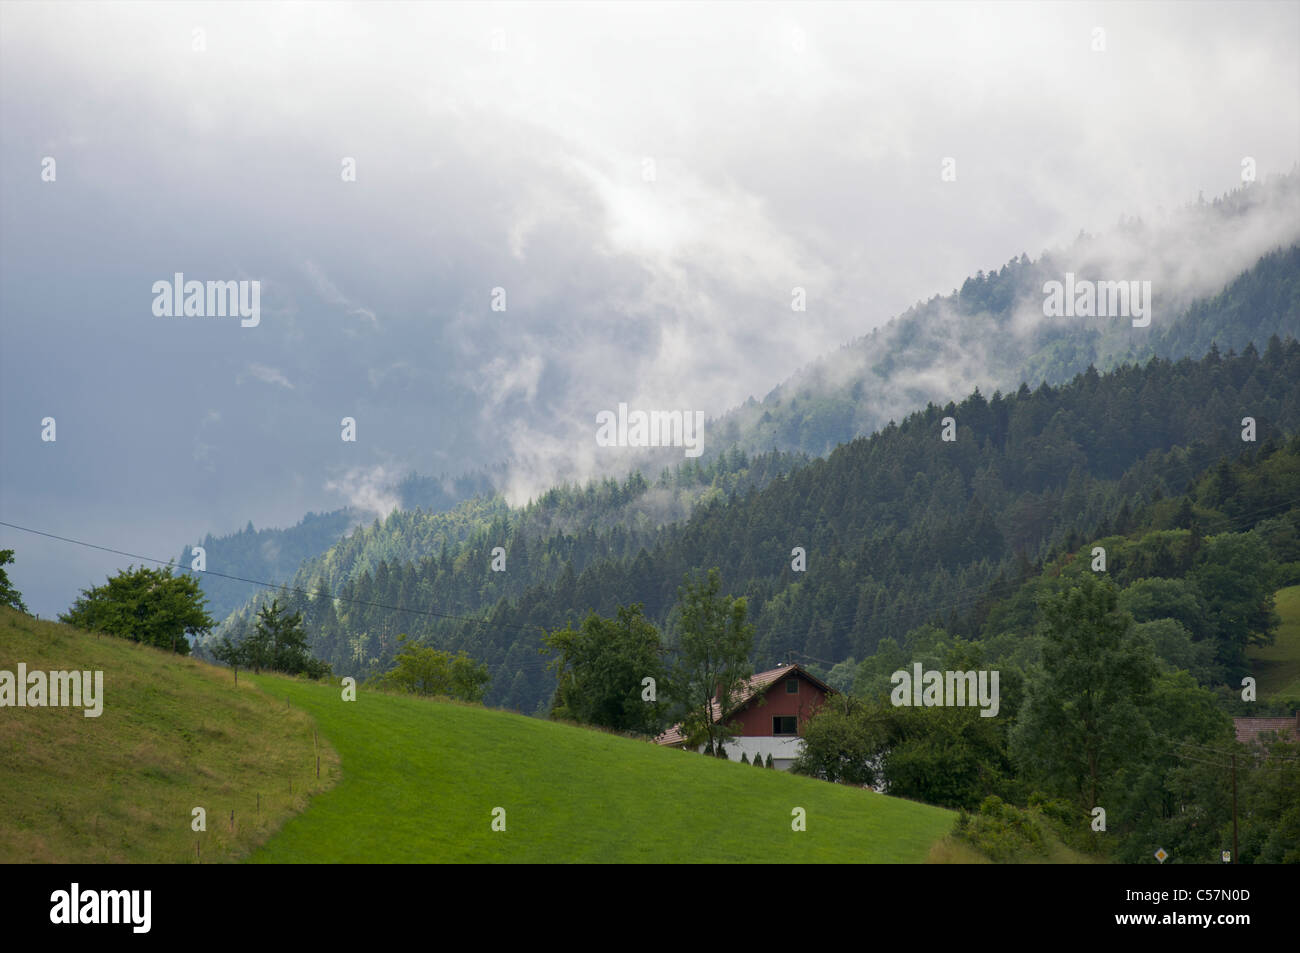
x: 1196, y: 571
x: 274, y: 555
x: 899, y: 529
x: 560, y: 532
x: 991, y: 329
x: 261, y: 554
x: 1121, y: 664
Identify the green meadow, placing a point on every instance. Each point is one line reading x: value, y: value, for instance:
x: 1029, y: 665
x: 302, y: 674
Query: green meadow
x: 422, y: 778
x: 174, y: 734
x: 403, y: 779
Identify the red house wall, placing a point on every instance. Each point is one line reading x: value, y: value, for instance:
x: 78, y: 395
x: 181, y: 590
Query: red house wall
x: 757, y: 719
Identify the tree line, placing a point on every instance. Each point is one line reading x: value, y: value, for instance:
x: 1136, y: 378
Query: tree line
x: 900, y: 529
x: 1119, y: 679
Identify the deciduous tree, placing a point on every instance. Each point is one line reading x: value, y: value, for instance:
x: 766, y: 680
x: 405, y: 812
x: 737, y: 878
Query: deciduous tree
x: 9, y: 596
x: 713, y: 659
x: 1082, y: 721
x: 601, y: 672
x: 145, y: 605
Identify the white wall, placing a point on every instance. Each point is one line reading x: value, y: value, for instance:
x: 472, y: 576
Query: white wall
x: 784, y: 749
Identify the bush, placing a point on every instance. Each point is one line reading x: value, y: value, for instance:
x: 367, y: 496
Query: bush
x: 423, y: 670
x: 1288, y: 574
x: 1072, y: 825
x: 842, y: 743
x: 1003, y: 832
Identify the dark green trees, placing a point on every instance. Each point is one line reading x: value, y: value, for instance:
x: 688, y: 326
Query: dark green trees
x: 278, y: 643
x: 1083, y: 720
x: 1234, y: 577
x: 144, y: 605
x: 844, y: 742
x: 609, y: 672
x: 9, y: 596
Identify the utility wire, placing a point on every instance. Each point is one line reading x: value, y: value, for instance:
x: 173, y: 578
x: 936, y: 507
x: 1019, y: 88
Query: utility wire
x: 962, y: 599
x: 272, y: 585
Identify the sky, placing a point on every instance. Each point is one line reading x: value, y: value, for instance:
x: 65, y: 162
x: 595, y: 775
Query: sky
x: 646, y: 185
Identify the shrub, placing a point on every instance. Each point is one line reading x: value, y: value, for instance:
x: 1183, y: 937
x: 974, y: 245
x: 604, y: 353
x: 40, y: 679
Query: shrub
x: 1003, y: 832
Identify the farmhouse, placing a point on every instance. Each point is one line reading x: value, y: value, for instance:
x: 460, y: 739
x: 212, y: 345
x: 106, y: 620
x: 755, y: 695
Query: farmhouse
x: 1250, y: 729
x: 775, y: 706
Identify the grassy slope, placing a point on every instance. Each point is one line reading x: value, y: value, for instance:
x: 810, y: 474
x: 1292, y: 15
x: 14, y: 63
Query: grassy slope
x: 1277, y: 666
x: 174, y: 734
x: 418, y: 782
x: 421, y: 778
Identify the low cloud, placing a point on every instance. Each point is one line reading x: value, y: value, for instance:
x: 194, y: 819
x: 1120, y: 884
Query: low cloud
x: 368, y: 489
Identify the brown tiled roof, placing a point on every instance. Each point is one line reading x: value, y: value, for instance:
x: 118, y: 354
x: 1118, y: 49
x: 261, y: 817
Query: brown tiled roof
x: 673, y: 736
x: 753, y: 687
x: 1249, y: 729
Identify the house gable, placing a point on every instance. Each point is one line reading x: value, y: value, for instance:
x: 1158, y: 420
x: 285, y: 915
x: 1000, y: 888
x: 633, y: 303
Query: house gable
x: 755, y: 719
x: 770, y: 711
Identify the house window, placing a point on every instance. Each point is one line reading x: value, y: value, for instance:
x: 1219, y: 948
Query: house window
x: 784, y: 725
x: 792, y: 686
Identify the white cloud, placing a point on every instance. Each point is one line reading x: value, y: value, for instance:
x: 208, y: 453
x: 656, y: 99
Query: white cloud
x: 367, y: 488
x: 267, y: 375
x: 794, y: 145
x: 328, y: 291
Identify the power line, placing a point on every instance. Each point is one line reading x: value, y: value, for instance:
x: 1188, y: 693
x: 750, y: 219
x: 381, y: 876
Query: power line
x: 272, y: 585
x: 962, y: 599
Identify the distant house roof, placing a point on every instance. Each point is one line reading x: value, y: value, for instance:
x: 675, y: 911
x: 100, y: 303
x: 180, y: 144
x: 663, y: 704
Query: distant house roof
x: 752, y: 688
x: 1249, y: 729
